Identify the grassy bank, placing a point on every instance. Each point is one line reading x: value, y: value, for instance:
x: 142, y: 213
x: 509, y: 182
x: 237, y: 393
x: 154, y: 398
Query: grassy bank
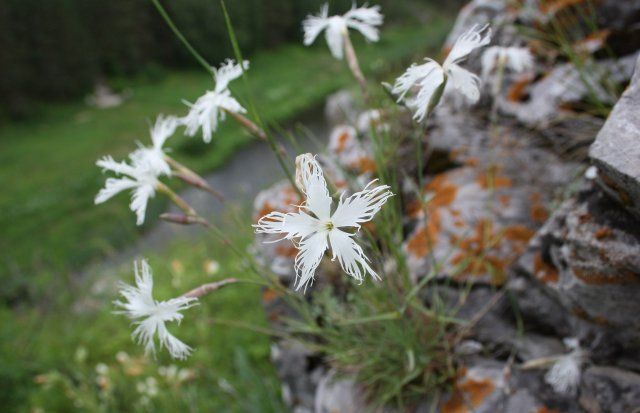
x: 50, y: 225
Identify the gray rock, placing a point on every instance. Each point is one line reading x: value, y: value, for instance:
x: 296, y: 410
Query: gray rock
x: 583, y: 273
x: 565, y: 85
x: 616, y: 152
x: 342, y: 395
x: 340, y: 108
x: 610, y: 390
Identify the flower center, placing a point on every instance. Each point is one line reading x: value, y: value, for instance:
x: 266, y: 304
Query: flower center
x: 328, y: 225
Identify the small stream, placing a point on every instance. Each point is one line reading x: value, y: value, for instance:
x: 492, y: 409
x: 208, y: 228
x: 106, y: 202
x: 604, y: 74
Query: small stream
x: 250, y: 170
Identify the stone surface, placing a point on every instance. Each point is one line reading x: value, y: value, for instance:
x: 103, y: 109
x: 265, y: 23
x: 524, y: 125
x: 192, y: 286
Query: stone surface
x: 340, y: 108
x: 341, y: 395
x: 586, y: 262
x: 609, y: 389
x: 616, y: 152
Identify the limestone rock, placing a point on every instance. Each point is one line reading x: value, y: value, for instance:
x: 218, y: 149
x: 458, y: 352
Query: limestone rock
x: 609, y: 389
x: 340, y: 108
x: 616, y: 152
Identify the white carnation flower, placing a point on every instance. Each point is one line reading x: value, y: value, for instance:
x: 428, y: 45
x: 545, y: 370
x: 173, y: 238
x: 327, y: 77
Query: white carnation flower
x: 430, y: 78
x: 363, y: 19
x: 210, y: 107
x: 516, y: 59
x: 150, y: 315
x: 153, y: 155
x: 564, y: 375
x: 315, y: 229
x: 139, y: 176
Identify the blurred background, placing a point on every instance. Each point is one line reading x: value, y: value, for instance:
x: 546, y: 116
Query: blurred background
x: 80, y: 79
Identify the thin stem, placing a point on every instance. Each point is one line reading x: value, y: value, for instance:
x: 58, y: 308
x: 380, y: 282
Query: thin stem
x: 177, y: 200
x: 192, y: 178
x: 208, y: 288
x: 180, y: 36
x: 354, y: 65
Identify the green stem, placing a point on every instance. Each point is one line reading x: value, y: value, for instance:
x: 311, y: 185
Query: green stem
x: 180, y: 36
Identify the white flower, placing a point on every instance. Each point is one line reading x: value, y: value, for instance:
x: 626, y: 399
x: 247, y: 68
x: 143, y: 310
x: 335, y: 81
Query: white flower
x: 430, y: 77
x: 139, y: 176
x: 153, y: 155
x: 564, y: 375
x: 150, y: 315
x: 363, y: 19
x: 315, y: 228
x: 591, y: 173
x: 210, y: 107
x: 517, y: 59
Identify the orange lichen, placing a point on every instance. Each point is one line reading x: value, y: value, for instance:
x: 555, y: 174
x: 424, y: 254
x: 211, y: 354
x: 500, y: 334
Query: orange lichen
x: 422, y: 241
x: 544, y: 271
x: 342, y: 141
x: 603, y: 233
x: 552, y: 7
x: 442, y: 191
x: 517, y: 90
x: 286, y: 250
x: 468, y: 395
x: 504, y: 200
x: 266, y: 209
x: 365, y: 164
x: 594, y: 278
x: 545, y: 409
x: 269, y: 295
x: 538, y: 210
x: 477, y: 256
x: 493, y: 181
x: 593, y: 42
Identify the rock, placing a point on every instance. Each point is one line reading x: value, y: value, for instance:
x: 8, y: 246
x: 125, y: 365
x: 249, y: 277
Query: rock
x: 477, y: 220
x: 611, y: 390
x: 340, y: 108
x: 563, y: 86
x: 616, y: 152
x: 299, y: 373
x: 341, y: 395
x: 586, y: 262
x: 279, y: 256
x: 350, y: 152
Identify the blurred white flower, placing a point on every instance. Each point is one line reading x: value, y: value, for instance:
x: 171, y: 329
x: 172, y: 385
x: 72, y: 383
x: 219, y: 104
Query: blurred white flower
x: 153, y: 155
x: 516, y: 59
x: 315, y: 229
x: 210, y: 107
x: 564, y: 375
x: 150, y: 315
x: 430, y: 78
x: 139, y: 176
x: 363, y: 19
x: 591, y: 173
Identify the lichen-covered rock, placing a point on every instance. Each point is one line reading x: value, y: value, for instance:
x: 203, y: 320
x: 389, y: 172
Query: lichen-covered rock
x: 342, y: 395
x: 609, y: 389
x: 299, y: 373
x: 278, y: 256
x: 350, y: 152
x: 586, y: 259
x: 474, y: 223
x: 616, y: 152
x: 549, y: 98
x: 340, y: 108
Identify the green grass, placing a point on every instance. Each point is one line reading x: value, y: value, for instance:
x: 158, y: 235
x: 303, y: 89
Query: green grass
x: 50, y: 226
x: 40, y: 367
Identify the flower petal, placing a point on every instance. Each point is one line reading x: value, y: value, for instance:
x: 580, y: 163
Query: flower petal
x: 314, y: 186
x: 139, y: 201
x: 293, y: 225
x: 350, y: 255
x: 227, y: 72
x: 465, y: 82
x: 313, y: 25
x: 311, y: 251
x: 112, y: 187
x: 361, y: 206
x: 468, y: 42
x: 333, y: 34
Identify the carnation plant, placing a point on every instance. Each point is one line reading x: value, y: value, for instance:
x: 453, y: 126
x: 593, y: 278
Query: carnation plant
x: 373, y: 322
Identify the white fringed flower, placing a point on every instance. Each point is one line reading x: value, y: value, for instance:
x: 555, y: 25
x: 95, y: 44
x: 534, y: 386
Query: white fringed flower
x: 139, y: 176
x: 153, y: 155
x: 210, y: 107
x: 315, y: 229
x: 363, y: 19
x: 150, y: 315
x: 516, y: 59
x: 564, y: 375
x: 430, y: 78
